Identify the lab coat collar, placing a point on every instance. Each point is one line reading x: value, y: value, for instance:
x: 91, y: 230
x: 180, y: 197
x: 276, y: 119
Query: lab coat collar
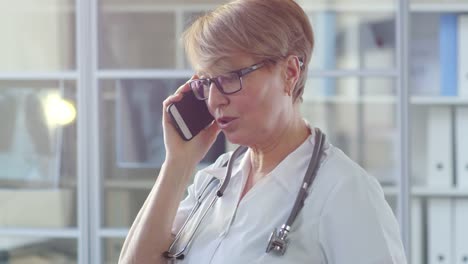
x: 285, y: 173
x: 241, y: 165
x: 289, y: 172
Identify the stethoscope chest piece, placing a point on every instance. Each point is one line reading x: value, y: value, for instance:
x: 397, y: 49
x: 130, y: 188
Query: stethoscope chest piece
x: 278, y: 242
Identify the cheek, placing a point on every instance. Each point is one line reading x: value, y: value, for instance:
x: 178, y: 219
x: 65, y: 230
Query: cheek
x: 260, y: 106
x: 246, y: 106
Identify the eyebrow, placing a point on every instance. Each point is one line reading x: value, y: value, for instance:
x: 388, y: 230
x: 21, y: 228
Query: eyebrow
x: 224, y: 68
x: 202, y: 74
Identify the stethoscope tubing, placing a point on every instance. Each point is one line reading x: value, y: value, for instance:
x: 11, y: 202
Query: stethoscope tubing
x: 219, y: 193
x: 192, y: 212
x: 239, y: 150
x: 298, y: 204
x: 309, y: 178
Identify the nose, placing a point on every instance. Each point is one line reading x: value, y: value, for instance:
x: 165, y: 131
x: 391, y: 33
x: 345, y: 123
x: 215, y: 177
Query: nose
x: 216, y: 99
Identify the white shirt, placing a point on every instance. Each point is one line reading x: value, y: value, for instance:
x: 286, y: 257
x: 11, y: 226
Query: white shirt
x: 345, y: 218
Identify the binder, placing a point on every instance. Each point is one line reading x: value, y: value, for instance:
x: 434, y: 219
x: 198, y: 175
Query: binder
x: 417, y: 253
x: 440, y: 244
x: 448, y: 54
x: 424, y: 55
x: 461, y: 234
x: 461, y: 145
x: 419, y: 146
x: 463, y: 55
x: 439, y: 145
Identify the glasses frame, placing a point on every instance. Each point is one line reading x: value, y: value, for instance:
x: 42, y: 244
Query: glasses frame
x: 240, y: 73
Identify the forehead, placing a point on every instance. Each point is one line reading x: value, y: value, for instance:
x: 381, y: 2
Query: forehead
x: 225, y: 65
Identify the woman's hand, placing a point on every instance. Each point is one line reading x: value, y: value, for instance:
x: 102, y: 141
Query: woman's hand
x: 190, y: 153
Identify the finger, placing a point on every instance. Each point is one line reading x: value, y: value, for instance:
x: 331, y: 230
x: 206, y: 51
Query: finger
x: 171, y: 99
x: 177, y: 96
x: 166, y: 103
x: 183, y: 88
x: 186, y: 87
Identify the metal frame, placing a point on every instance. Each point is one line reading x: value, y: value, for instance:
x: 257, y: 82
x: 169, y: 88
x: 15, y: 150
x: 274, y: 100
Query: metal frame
x: 403, y: 112
x: 95, y: 180
x: 82, y: 59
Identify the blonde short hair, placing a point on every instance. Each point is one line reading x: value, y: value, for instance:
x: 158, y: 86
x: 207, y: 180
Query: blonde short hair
x: 263, y: 29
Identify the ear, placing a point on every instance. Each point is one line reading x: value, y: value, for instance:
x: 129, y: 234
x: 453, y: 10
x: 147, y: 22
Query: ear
x: 292, y: 71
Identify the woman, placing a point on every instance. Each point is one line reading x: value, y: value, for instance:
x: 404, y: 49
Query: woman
x: 345, y: 218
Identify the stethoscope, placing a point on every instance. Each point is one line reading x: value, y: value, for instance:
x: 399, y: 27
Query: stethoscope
x: 278, y: 241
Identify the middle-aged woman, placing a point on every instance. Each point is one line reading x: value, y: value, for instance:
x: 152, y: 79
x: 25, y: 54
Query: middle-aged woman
x: 251, y: 59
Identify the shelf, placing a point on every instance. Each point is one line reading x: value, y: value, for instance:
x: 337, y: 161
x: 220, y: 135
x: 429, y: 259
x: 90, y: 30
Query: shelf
x: 429, y: 192
x: 438, y: 192
x: 388, y: 190
x: 439, y: 100
x: 378, y: 99
x: 155, y: 8
x: 351, y: 6
x: 60, y: 75
x: 42, y: 8
x: 439, y: 7
x: 40, y: 232
x: 355, y: 73
x: 187, y: 73
x: 113, y: 232
x: 144, y: 74
x: 359, y: 6
x: 135, y: 184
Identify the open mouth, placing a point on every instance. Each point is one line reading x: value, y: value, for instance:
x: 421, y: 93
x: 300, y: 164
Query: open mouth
x: 224, y: 121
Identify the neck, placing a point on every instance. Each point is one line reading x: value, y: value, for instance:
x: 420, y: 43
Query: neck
x: 266, y: 156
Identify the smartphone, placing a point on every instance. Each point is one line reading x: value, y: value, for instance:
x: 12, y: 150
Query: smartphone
x: 190, y: 115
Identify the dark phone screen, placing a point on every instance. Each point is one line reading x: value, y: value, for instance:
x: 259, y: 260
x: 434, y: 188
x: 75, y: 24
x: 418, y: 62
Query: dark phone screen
x: 194, y: 112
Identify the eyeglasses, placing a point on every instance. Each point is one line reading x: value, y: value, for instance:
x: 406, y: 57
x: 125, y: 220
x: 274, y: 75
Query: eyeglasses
x: 227, y: 84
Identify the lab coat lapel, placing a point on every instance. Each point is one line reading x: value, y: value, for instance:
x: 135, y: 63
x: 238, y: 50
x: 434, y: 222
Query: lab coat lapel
x: 220, y: 172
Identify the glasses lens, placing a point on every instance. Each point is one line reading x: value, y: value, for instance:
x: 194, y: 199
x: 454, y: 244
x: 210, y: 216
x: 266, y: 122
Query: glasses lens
x: 200, y: 88
x: 230, y: 83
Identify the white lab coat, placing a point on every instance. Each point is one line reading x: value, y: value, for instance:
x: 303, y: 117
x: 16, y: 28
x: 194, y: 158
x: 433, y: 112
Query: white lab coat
x: 345, y: 218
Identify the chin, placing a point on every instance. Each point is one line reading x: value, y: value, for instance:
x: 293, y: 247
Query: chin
x: 237, y: 138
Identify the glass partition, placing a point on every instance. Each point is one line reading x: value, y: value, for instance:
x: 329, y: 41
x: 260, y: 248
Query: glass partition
x: 38, y: 154
x: 49, y: 24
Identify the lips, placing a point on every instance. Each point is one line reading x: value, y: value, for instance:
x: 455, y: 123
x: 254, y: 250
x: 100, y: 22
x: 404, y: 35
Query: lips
x: 225, y: 121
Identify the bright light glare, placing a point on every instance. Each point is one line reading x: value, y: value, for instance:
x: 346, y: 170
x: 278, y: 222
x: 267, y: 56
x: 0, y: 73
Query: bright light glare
x: 59, y: 111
